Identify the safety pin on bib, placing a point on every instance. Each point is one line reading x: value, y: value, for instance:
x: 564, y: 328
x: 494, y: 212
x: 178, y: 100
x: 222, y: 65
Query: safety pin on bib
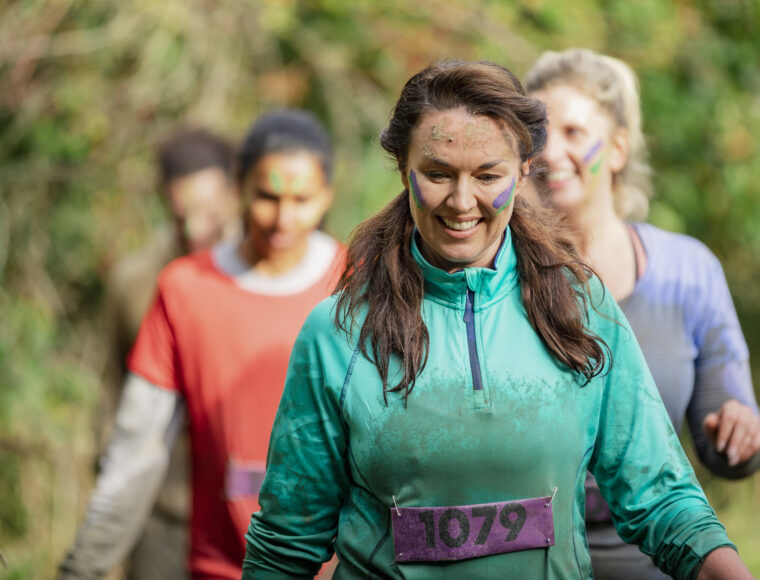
x: 554, y: 492
x: 398, y: 513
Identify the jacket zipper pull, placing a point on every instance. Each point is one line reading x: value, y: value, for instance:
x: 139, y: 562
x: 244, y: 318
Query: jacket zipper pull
x: 467, y: 318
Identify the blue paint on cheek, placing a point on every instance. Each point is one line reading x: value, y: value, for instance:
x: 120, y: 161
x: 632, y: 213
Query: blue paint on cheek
x: 502, y: 200
x: 593, y: 151
x: 416, y: 191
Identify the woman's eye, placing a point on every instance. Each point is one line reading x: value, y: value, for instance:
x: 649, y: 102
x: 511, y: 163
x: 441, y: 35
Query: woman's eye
x: 435, y: 175
x: 488, y: 178
x: 265, y: 196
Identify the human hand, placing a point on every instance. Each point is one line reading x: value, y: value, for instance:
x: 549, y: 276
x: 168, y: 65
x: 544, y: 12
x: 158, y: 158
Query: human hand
x: 734, y: 430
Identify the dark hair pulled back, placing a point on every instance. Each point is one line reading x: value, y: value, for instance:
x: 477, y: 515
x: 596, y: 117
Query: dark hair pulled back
x: 189, y: 150
x: 286, y: 131
x: 381, y: 273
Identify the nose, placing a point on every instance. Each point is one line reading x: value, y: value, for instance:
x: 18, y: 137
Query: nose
x: 462, y: 198
x: 286, y: 214
x: 554, y: 146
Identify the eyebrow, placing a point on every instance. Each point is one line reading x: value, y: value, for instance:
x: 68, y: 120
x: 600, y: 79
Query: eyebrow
x: 266, y: 191
x: 486, y: 165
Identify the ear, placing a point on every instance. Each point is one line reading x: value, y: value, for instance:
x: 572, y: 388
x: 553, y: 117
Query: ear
x: 235, y: 197
x: 328, y: 197
x: 245, y: 191
x: 619, y: 148
x: 524, y: 173
x: 405, y: 180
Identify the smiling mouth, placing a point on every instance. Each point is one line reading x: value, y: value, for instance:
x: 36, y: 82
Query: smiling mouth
x: 460, y: 226
x: 560, y: 175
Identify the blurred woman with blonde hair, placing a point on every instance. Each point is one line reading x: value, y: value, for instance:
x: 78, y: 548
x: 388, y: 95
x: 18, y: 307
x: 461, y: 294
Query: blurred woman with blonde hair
x: 671, y: 287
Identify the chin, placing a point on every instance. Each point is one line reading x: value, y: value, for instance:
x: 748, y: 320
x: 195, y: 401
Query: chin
x: 283, y: 243
x: 451, y: 262
x: 566, y: 201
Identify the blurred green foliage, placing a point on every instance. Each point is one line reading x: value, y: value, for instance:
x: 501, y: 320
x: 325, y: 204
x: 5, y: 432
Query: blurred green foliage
x: 87, y: 89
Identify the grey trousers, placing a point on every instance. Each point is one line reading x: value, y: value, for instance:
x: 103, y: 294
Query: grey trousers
x: 612, y: 559
x: 161, y: 553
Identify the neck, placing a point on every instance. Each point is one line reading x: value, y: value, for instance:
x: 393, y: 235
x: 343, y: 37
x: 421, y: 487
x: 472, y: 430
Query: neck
x: 604, y: 242
x: 592, y: 233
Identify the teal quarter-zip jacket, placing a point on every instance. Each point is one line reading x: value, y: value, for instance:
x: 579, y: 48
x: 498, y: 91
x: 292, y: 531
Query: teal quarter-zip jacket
x: 493, y: 417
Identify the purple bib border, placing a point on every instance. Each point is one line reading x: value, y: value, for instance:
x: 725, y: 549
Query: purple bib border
x: 472, y: 531
x: 243, y: 479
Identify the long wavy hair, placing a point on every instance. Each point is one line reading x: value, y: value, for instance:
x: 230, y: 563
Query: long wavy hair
x: 382, y: 277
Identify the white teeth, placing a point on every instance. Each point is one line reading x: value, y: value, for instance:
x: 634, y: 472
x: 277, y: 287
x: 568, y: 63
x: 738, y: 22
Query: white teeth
x: 460, y: 225
x: 560, y: 175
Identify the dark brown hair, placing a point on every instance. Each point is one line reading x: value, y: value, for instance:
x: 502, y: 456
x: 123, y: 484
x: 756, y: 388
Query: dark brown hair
x: 382, y: 276
x: 190, y: 150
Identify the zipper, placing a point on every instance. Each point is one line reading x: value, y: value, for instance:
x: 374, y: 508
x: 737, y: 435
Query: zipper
x: 472, y: 345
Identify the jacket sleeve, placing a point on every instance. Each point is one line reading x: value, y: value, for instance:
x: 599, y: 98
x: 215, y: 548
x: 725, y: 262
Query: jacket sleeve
x: 307, y: 477
x: 721, y: 367
x: 642, y: 471
x: 133, y: 468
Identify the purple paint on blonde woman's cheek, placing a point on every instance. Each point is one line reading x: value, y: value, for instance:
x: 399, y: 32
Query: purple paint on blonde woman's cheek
x: 593, y: 151
x: 416, y: 191
x: 502, y: 200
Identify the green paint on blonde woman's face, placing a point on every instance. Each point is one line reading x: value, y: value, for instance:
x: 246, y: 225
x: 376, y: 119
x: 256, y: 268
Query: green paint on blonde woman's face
x: 596, y: 166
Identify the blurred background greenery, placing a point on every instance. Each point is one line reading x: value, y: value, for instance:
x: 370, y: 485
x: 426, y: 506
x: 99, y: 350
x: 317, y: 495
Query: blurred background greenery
x: 87, y: 88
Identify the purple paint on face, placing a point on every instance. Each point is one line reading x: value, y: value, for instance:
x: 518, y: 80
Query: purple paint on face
x: 502, y: 200
x: 593, y: 151
x: 416, y: 191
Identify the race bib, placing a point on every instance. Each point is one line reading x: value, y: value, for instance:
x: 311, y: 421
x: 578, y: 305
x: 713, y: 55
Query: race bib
x: 243, y: 478
x: 460, y: 532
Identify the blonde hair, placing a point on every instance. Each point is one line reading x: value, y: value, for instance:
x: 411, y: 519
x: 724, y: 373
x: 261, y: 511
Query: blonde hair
x: 615, y: 87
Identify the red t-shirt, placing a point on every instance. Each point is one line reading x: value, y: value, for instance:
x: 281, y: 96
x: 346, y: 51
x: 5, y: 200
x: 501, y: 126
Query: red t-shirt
x: 225, y: 349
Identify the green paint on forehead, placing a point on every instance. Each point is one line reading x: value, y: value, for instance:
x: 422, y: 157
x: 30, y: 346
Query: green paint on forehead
x: 277, y: 182
x: 596, y: 166
x: 300, y: 182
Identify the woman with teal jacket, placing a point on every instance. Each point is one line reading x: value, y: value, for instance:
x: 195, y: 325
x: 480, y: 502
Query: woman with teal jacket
x: 442, y: 409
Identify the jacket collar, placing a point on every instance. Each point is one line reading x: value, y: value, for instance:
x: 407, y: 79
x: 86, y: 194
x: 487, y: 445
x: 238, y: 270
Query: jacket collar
x: 489, y: 284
